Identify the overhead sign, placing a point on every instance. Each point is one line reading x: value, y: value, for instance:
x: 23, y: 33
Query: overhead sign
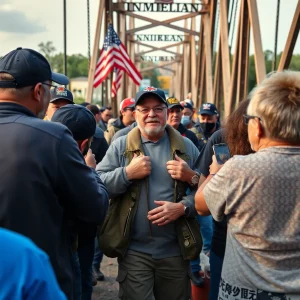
x: 160, y: 37
x: 158, y: 58
x: 162, y: 7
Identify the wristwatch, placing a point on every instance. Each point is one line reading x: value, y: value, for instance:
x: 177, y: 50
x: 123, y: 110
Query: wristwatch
x: 195, y: 179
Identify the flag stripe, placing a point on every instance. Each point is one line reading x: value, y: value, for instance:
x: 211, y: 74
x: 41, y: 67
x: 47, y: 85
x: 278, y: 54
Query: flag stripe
x: 116, y: 82
x: 115, y: 53
x: 114, y: 56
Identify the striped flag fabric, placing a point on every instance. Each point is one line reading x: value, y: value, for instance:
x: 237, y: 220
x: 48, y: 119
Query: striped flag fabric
x: 116, y: 83
x: 114, y: 55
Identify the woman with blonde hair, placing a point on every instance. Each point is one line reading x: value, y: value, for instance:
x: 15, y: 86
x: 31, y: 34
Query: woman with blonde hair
x: 259, y: 195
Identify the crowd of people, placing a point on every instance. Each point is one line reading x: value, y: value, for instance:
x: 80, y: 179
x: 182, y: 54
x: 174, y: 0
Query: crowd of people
x: 147, y: 187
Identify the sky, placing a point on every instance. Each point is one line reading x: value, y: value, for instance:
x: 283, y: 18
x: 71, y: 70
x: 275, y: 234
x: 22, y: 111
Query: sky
x: 28, y: 23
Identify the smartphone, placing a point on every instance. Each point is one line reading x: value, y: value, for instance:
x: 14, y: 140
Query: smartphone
x: 222, y: 153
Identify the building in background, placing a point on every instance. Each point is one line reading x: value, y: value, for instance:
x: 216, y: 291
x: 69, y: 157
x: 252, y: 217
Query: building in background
x: 78, y: 86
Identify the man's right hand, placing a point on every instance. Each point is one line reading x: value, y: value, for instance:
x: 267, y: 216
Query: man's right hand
x: 90, y: 159
x: 139, y: 167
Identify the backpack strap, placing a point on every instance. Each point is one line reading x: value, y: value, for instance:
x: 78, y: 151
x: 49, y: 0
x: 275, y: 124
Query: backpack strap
x: 178, y: 148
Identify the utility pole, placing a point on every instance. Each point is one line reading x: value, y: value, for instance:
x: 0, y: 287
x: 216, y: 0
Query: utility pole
x: 65, y: 37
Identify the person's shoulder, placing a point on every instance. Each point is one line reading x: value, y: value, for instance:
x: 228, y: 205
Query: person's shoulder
x: 122, y: 132
x: 242, y: 162
x: 189, y: 144
x: 19, y: 243
x: 47, y: 127
x: 217, y: 137
x: 190, y: 133
x: 120, y: 143
x: 99, y: 133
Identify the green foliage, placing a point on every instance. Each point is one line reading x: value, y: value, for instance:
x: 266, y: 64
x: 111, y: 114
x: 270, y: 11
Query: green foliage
x: 268, y: 54
x: 47, y: 49
x: 295, y: 63
x: 77, y: 64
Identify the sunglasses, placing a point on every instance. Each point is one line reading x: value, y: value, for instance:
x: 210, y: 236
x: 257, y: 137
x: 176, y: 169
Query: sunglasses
x: 247, y: 118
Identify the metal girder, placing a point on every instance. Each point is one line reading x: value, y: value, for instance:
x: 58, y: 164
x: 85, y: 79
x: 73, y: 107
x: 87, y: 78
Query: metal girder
x: 162, y: 65
x: 291, y: 41
x: 239, y: 79
x: 259, y: 58
x: 157, y: 67
x: 166, y: 23
x: 95, y: 53
x: 157, y: 48
x: 225, y: 54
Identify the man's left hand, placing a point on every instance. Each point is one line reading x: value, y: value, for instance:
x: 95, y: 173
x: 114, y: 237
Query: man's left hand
x: 179, y: 170
x: 166, y: 212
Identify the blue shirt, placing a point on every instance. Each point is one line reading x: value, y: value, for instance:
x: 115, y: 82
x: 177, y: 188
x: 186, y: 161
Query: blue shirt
x: 26, y: 272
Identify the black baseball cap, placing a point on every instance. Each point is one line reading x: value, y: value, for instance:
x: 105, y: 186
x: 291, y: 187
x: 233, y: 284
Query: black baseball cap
x: 187, y: 105
x: 173, y: 102
x: 151, y: 91
x: 208, y: 109
x: 28, y: 67
x: 78, y: 119
x: 61, y: 92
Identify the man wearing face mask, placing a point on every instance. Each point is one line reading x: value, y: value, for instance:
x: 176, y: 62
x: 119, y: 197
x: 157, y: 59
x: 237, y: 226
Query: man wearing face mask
x: 175, y: 119
x: 187, y: 116
x: 208, y: 123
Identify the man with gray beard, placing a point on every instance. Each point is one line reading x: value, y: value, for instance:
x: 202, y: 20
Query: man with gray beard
x: 151, y: 265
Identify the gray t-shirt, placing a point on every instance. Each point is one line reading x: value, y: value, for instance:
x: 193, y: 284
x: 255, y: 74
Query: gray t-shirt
x: 260, y: 196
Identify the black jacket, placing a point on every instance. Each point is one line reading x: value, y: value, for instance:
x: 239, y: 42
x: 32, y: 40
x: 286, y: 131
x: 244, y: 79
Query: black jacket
x: 188, y: 134
x: 99, y: 145
x: 44, y: 182
x: 102, y: 125
x: 87, y: 231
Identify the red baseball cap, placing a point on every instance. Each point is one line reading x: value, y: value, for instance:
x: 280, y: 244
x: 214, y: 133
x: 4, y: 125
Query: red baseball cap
x: 127, y: 102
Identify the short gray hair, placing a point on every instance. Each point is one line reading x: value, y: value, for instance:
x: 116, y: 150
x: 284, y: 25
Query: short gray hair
x: 276, y: 101
x: 7, y: 77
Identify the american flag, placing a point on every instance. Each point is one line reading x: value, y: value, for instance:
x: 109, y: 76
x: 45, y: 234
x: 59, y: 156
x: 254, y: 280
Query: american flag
x: 116, y: 83
x: 114, y: 55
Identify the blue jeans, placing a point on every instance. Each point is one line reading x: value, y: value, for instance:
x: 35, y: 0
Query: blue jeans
x: 77, y: 277
x: 216, y: 263
x: 86, y: 255
x: 98, y: 256
x: 206, y: 228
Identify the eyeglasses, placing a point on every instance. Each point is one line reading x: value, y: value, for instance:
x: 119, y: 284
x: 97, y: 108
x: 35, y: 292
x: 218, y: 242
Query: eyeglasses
x: 157, y: 110
x: 51, y: 85
x: 129, y: 108
x: 247, y: 118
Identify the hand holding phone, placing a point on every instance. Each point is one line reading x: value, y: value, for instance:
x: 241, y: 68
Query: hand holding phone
x: 221, y: 152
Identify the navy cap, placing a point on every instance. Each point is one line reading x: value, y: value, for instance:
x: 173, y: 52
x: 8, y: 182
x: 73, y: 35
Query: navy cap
x: 187, y: 105
x: 28, y: 67
x: 173, y: 102
x: 151, y: 91
x: 208, y: 109
x: 78, y: 119
x: 61, y: 92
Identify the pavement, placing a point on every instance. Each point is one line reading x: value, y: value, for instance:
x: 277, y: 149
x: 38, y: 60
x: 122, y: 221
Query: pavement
x: 107, y: 289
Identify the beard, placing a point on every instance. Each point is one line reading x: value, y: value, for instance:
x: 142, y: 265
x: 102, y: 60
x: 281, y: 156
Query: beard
x: 152, y: 132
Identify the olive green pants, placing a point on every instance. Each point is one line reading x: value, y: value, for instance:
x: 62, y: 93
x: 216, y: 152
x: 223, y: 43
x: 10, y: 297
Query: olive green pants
x: 143, y: 278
